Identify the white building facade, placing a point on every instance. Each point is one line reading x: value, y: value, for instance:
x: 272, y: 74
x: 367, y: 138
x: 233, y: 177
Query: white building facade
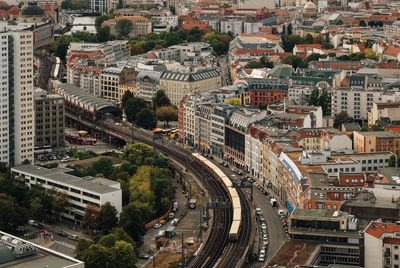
x: 81, y: 191
x: 17, y: 114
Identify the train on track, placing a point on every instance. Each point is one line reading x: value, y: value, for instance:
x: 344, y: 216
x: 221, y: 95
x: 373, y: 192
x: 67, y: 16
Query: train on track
x: 233, y: 194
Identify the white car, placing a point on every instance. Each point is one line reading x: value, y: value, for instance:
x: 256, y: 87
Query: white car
x: 258, y: 211
x: 157, y: 225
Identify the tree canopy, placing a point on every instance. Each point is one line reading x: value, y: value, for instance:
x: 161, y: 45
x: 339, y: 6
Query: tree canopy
x: 167, y: 114
x: 146, y: 118
x: 123, y: 27
x: 160, y: 99
x: 341, y: 118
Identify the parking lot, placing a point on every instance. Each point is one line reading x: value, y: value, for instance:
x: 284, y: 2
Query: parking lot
x: 62, y: 237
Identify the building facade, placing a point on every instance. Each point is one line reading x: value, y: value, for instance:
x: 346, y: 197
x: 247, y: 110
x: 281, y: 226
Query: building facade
x: 176, y: 85
x: 17, y: 111
x: 49, y: 119
x: 111, y: 78
x: 81, y: 191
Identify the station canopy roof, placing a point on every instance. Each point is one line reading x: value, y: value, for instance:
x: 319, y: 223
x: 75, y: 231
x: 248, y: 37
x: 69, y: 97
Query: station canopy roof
x: 86, y: 98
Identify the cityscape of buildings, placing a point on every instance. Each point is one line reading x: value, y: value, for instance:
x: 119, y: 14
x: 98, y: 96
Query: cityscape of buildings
x: 300, y: 98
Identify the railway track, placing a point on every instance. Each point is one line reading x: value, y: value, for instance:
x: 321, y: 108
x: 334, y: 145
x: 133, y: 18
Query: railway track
x: 212, y: 253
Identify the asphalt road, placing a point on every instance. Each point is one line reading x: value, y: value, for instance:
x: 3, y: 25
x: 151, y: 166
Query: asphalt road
x: 223, y: 66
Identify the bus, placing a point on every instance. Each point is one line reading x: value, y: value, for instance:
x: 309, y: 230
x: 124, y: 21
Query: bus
x: 174, y: 134
x: 80, y: 140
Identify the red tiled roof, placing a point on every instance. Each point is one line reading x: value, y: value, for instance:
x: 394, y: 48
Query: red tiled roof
x: 202, y: 25
x: 392, y: 50
x: 265, y: 29
x: 377, y: 229
x: 14, y: 10
x: 150, y: 55
x: 391, y: 240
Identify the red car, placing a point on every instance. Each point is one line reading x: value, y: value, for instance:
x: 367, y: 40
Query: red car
x: 44, y: 232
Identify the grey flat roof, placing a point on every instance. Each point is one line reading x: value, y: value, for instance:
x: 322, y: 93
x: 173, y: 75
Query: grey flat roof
x: 60, y: 175
x: 380, y: 134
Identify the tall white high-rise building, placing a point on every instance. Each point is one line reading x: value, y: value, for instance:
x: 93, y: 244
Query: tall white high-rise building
x: 16, y: 96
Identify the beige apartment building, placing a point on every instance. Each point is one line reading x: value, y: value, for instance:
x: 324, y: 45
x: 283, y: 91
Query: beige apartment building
x: 111, y: 78
x: 377, y: 141
x: 176, y: 85
x: 49, y: 119
x: 141, y: 25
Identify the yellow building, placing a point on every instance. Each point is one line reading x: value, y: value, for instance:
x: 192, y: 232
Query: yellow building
x: 111, y: 78
x: 127, y: 86
x: 176, y: 85
x: 377, y: 141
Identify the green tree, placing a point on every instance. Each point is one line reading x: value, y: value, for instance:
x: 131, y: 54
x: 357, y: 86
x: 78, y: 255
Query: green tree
x: 309, y: 39
x: 254, y: 65
x: 289, y: 29
x: 89, y: 218
x: 97, y: 256
x: 313, y: 100
x: 160, y: 99
x: 36, y: 209
x: 172, y: 9
x: 167, y: 114
x: 233, y: 101
x: 139, y: 154
x: 124, y: 255
x: 266, y: 63
x: 106, y: 218
x: 12, y: 215
x: 103, y: 166
x: 324, y: 101
x: 392, y: 161
x: 146, y: 119
x: 341, y: 118
x: 61, y: 45
x: 218, y: 41
x: 123, y: 27
x: 122, y: 235
x: 131, y: 221
x: 84, y: 36
x: 61, y: 204
x: 133, y: 107
x: 81, y: 247
x: 362, y: 23
x: 99, y: 20
x: 127, y: 96
x: 194, y: 35
x: 295, y: 61
x: 315, y: 57
x: 161, y: 186
x: 103, y: 34
x: 108, y: 241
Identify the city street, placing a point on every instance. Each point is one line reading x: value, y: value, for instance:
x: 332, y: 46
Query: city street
x: 225, y: 76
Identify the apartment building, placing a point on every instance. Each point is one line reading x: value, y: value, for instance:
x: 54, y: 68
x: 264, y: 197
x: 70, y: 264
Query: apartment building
x: 141, y: 25
x: 253, y: 150
x: 339, y: 236
x: 81, y: 191
x: 147, y: 84
x: 381, y: 244
x: 235, y: 132
x: 219, y: 118
x: 176, y: 84
x: 17, y: 104
x: 111, y: 78
x: 321, y: 139
x: 202, y: 127
x: 357, y: 102
x: 264, y: 91
x: 49, y: 119
x: 377, y: 141
x: 385, y: 111
x: 113, y: 51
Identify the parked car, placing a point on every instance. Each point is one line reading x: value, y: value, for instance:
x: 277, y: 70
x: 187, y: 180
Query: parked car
x: 74, y: 237
x: 261, y: 258
x: 258, y: 211
x: 62, y: 233
x: 281, y: 212
x: 44, y: 232
x: 157, y: 225
x: 144, y: 256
